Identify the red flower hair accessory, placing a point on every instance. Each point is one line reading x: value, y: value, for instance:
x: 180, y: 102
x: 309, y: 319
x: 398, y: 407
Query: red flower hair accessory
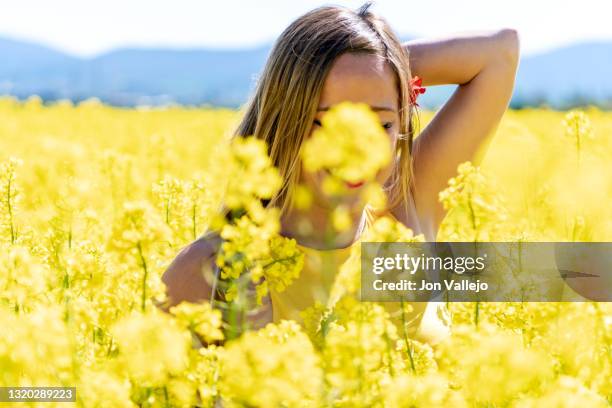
x: 416, y: 89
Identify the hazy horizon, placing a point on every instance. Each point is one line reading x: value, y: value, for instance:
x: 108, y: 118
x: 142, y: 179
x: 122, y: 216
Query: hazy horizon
x: 183, y: 47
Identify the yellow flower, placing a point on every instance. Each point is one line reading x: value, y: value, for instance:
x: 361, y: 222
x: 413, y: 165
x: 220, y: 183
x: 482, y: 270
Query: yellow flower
x: 200, y: 318
x: 351, y: 144
x: 248, y: 172
x: 475, y: 211
x: 496, y: 358
x: 341, y: 218
x: 152, y: 347
x: 260, y: 251
x: 274, y: 367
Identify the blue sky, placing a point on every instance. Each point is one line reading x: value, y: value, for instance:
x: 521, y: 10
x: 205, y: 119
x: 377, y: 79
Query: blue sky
x: 88, y: 28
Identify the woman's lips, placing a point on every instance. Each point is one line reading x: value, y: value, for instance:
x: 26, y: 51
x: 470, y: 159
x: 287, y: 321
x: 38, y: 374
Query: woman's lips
x: 349, y: 184
x: 354, y: 185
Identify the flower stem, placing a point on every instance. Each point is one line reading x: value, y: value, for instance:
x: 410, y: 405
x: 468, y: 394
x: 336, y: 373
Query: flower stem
x: 145, y: 275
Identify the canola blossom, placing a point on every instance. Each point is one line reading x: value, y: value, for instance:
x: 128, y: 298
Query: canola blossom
x: 96, y: 201
x: 335, y: 147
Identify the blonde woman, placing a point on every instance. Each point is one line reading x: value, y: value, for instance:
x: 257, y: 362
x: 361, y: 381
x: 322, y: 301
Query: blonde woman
x: 334, y: 54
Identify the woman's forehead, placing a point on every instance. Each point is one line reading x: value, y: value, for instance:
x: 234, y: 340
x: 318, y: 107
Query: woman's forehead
x: 362, y: 78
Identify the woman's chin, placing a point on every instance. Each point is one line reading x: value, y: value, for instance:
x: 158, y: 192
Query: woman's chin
x: 351, y: 199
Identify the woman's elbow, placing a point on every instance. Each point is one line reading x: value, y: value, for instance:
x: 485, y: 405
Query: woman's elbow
x: 508, y: 43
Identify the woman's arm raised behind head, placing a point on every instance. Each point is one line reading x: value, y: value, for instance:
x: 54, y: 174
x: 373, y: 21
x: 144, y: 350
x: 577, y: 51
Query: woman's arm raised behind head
x: 484, y: 66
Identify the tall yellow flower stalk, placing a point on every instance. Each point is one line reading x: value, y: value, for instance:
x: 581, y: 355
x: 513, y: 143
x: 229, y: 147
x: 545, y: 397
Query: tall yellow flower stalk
x: 253, y: 253
x: 9, y: 192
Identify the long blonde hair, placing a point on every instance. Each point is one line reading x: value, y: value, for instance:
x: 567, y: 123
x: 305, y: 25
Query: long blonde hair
x: 282, y: 109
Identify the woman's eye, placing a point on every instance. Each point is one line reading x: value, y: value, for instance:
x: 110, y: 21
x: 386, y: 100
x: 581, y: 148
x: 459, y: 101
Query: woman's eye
x: 317, y: 122
x: 387, y: 125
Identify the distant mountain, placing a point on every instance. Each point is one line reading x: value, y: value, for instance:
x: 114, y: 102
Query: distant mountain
x: 187, y: 76
x: 565, y: 76
x: 18, y: 55
x: 580, y: 72
x: 131, y: 76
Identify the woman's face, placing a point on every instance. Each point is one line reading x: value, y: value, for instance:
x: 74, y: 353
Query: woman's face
x: 359, y: 78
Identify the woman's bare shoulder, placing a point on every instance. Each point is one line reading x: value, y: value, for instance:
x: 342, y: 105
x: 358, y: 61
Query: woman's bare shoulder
x: 190, y: 276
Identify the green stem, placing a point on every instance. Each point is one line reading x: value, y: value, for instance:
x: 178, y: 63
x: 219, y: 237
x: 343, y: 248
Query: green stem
x: 472, y: 217
x: 193, y: 221
x: 405, y: 334
x: 10, y: 209
x: 166, y: 397
x: 144, y: 276
x: 289, y: 258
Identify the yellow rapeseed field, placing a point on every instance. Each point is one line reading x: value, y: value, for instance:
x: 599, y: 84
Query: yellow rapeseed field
x: 95, y: 201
